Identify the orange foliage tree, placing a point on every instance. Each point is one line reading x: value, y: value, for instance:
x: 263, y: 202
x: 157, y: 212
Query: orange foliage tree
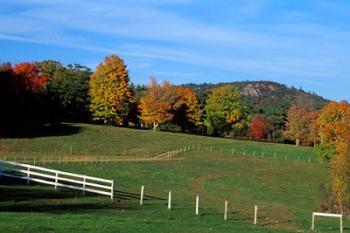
x: 27, y: 78
x: 167, y: 103
x: 155, y: 105
x: 301, y: 125
x: 22, y: 94
x: 257, y: 127
x: 334, y: 125
x: 334, y: 128
x: 186, y: 109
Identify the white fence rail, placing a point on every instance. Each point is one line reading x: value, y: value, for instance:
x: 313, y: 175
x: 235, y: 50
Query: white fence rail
x: 340, y: 216
x: 57, y: 178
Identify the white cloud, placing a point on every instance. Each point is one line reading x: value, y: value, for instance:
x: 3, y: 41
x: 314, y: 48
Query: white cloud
x: 300, y: 49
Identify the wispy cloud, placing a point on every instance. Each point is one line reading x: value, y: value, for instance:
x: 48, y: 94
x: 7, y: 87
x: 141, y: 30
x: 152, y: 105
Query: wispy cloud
x: 291, y: 44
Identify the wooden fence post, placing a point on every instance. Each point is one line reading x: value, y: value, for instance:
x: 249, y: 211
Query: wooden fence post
x: 56, y: 180
x: 28, y: 175
x: 225, y: 214
x: 255, y: 215
x: 84, y: 184
x: 141, y: 195
x: 169, y: 201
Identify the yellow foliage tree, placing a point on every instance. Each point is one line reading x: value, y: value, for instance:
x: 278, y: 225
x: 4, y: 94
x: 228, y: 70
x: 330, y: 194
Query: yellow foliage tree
x: 111, y: 96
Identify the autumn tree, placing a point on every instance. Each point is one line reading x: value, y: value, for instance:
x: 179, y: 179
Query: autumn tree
x: 22, y: 93
x: 340, y: 176
x: 28, y: 79
x: 258, y: 127
x: 333, y: 129
x: 224, y: 111
x: 334, y: 125
x: 156, y: 104
x: 111, y: 95
x: 186, y: 109
x: 300, y: 125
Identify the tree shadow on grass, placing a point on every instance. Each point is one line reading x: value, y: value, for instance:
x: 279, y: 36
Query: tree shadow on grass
x: 39, y: 130
x: 35, y: 198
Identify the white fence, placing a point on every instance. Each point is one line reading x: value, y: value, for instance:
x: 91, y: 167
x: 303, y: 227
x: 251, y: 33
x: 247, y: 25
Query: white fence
x: 340, y: 216
x: 57, y: 178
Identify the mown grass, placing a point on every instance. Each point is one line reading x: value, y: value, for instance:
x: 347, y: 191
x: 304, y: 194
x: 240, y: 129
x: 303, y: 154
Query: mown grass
x: 105, y: 141
x: 286, y: 191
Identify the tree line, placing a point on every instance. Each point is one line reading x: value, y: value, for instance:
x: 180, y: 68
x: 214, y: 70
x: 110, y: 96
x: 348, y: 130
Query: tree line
x: 49, y: 92
x: 33, y: 94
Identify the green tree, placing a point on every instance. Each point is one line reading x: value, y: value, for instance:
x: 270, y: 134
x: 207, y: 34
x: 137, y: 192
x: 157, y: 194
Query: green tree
x: 112, y: 98
x: 67, y: 89
x: 225, y: 112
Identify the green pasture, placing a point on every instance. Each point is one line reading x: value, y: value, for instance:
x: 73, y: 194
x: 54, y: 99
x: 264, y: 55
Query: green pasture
x: 279, y: 179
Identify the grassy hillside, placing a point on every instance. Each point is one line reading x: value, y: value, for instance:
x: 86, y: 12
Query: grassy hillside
x: 82, y: 139
x: 279, y: 179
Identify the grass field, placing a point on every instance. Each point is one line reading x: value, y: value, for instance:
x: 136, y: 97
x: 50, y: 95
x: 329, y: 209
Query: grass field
x: 279, y: 179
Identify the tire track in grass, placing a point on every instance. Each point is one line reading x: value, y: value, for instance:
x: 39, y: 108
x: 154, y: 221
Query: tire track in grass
x: 197, y: 186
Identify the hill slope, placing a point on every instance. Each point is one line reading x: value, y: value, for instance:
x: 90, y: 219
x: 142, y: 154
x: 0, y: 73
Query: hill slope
x: 245, y: 173
x: 265, y: 96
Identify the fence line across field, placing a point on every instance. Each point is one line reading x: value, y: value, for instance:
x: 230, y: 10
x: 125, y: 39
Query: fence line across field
x: 57, y: 178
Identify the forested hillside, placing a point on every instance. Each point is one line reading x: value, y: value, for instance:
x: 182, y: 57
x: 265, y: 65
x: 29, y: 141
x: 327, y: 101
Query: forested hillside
x: 265, y: 96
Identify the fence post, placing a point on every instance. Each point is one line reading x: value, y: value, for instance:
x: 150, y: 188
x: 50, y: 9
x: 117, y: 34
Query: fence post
x: 197, y: 205
x: 225, y: 214
x: 84, y: 184
x: 112, y: 190
x: 255, y: 215
x: 56, y: 180
x: 141, y: 195
x: 341, y: 225
x: 313, y: 222
x: 169, y: 201
x: 28, y: 176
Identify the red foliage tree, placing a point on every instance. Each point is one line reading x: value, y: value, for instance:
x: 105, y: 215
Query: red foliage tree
x: 28, y: 79
x: 257, y: 128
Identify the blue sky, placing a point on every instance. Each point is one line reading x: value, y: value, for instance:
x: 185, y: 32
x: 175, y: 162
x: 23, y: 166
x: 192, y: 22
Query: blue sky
x: 298, y: 43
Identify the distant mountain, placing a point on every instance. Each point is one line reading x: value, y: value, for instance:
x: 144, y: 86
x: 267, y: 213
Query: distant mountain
x: 265, y: 96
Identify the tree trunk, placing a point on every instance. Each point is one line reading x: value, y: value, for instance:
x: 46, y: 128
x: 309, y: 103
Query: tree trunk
x: 155, y: 125
x: 297, y: 142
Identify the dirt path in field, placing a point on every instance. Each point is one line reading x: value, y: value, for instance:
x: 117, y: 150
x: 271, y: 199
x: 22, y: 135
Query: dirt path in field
x: 197, y: 186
